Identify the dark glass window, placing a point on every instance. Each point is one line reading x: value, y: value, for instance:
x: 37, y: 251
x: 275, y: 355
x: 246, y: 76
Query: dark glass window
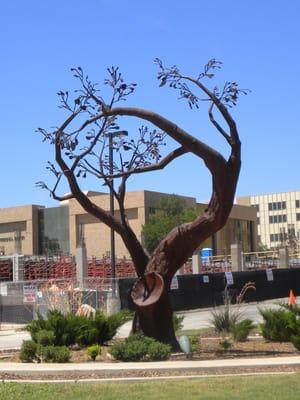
x: 54, y: 230
x: 298, y: 216
x: 297, y: 203
x: 275, y: 237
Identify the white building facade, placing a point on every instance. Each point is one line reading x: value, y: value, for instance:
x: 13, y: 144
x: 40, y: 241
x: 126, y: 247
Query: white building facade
x: 278, y: 218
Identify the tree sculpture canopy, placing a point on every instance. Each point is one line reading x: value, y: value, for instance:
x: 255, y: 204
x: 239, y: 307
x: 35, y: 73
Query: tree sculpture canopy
x: 82, y: 144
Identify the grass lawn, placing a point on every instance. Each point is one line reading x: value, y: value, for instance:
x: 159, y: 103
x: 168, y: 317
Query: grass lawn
x: 283, y: 387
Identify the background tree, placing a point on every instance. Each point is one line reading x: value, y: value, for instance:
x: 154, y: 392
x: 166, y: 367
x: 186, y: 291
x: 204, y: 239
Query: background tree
x: 81, y: 145
x: 170, y: 212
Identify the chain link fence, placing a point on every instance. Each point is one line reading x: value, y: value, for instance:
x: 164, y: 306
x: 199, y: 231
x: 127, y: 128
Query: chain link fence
x: 22, y: 301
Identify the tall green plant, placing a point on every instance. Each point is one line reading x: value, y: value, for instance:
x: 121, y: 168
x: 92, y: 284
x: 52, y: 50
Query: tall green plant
x: 224, y: 319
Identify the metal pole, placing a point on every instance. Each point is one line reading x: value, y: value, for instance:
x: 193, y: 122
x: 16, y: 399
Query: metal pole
x: 112, y: 210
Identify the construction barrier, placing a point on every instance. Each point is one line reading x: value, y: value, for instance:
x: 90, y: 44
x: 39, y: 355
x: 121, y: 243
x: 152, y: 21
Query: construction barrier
x: 208, y: 290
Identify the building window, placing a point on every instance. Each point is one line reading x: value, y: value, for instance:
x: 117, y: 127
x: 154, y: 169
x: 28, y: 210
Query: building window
x: 275, y: 219
x: 298, y: 216
x: 279, y: 205
x: 297, y: 203
x: 258, y: 221
x: 274, y: 237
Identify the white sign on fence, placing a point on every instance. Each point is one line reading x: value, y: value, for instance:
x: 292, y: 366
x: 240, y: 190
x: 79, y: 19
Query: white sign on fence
x: 270, y: 276
x: 174, y: 283
x: 229, y: 278
x: 3, y: 289
x: 205, y: 279
x: 29, y: 293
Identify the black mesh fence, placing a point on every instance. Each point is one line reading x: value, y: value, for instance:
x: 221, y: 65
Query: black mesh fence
x: 198, y: 291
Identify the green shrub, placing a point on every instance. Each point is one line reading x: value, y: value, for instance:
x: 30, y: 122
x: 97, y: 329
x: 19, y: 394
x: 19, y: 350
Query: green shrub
x: 64, y: 327
x: 61, y: 354
x: 241, y: 330
x: 28, y: 351
x: 93, y: 351
x: 46, y: 353
x: 223, y: 319
x: 56, y: 354
x: 101, y: 328
x: 178, y: 322
x: 158, y: 351
x: 295, y: 339
x: 35, y: 326
x: 195, y: 343
x: 70, y: 329
x: 279, y: 325
x: 133, y: 348
x: 225, y: 344
x: 45, y: 338
x: 140, y: 348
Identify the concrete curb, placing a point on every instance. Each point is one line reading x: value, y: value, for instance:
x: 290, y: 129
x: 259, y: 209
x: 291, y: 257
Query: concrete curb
x: 7, y: 367
x: 141, y: 379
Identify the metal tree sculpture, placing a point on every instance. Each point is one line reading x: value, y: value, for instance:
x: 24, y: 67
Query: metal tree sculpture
x: 83, y: 149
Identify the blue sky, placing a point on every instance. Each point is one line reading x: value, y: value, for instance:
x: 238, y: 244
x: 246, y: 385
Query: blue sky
x: 258, y: 42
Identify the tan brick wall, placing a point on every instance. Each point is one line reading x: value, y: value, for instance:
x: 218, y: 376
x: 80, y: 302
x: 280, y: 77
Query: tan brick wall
x: 23, y: 219
x: 97, y: 235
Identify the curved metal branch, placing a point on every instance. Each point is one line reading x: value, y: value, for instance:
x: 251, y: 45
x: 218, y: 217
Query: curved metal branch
x: 153, y: 167
x: 210, y: 156
x: 218, y: 126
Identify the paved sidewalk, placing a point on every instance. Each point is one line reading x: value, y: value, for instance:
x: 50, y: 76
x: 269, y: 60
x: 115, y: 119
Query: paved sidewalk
x: 167, y: 365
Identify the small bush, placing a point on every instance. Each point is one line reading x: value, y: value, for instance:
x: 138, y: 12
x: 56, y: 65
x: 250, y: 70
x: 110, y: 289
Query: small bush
x: 93, y: 351
x: 295, y: 339
x: 225, y: 344
x: 178, y: 322
x: 61, y: 354
x: 45, y: 338
x: 158, y: 351
x: 28, y: 351
x: 224, y: 319
x: 133, y: 348
x: 46, y: 353
x: 195, y: 343
x: 279, y: 325
x: 56, y: 354
x: 241, y: 330
x: 140, y: 348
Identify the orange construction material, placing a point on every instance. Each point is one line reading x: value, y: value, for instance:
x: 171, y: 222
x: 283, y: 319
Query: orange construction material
x: 292, y: 299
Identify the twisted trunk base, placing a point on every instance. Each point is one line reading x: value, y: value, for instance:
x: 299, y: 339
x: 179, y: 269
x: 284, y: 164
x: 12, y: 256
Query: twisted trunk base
x: 154, y: 315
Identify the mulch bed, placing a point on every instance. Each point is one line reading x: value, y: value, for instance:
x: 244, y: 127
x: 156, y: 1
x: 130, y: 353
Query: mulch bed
x: 209, y: 350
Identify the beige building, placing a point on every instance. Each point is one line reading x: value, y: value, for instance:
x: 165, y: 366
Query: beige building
x: 19, y: 229
x: 39, y: 230
x: 278, y: 217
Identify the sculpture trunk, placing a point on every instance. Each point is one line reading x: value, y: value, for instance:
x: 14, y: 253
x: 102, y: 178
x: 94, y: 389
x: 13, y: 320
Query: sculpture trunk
x: 154, y: 315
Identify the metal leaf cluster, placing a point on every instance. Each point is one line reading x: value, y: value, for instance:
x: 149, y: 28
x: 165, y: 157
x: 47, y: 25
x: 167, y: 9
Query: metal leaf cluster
x: 173, y: 77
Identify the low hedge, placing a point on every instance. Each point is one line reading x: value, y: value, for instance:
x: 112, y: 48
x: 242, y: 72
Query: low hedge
x: 140, y: 348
